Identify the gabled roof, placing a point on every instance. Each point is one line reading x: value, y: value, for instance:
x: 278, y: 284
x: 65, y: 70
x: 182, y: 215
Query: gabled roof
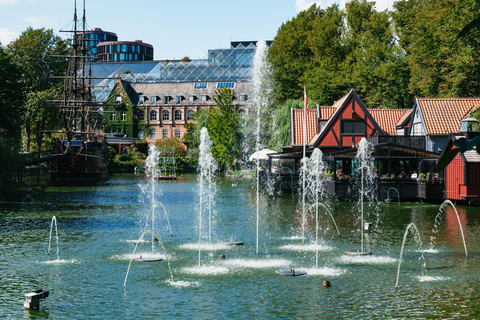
x: 311, y: 125
x: 325, y: 113
x: 442, y: 115
x: 387, y: 119
x: 339, y: 106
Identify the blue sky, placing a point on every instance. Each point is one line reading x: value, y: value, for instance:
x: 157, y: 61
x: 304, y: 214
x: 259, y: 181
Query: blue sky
x: 175, y: 28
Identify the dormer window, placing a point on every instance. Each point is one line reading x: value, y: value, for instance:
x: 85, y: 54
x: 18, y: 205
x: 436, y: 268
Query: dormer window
x: 153, y: 99
x: 141, y: 99
x: 180, y: 99
x: 192, y: 98
x: 118, y: 99
x: 205, y: 97
x: 243, y: 97
x: 167, y: 99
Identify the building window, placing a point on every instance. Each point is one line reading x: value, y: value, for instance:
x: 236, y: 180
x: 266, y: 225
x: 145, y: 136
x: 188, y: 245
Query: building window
x: 164, y: 133
x: 152, y: 134
x: 114, y: 115
x: 243, y: 97
x: 124, y: 116
x: 205, y: 97
x: 202, y: 85
x: 153, y: 115
x: 165, y: 115
x: 141, y: 99
x: 177, y: 133
x: 241, y: 112
x: 179, y: 99
x: 190, y: 114
x: 153, y: 99
x: 141, y: 115
x: 353, y: 127
x: 230, y: 85
x: 192, y: 98
x: 178, y: 115
x: 140, y: 134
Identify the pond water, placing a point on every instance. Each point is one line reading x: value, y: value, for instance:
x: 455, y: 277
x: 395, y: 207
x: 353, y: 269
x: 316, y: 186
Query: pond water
x: 96, y: 226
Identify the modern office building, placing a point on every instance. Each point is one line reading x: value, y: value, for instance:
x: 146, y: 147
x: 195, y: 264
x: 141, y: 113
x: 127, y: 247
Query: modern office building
x: 96, y: 36
x: 123, y: 51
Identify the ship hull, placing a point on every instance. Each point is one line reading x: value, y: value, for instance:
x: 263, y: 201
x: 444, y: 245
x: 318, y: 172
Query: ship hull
x: 78, y: 163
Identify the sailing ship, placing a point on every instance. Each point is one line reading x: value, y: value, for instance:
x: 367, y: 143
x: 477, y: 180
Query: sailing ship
x: 80, y: 147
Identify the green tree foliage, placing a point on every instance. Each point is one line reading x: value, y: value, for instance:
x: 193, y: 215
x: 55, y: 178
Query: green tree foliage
x: 224, y: 128
x: 35, y: 53
x: 12, y: 113
x: 282, y: 120
x: 440, y: 64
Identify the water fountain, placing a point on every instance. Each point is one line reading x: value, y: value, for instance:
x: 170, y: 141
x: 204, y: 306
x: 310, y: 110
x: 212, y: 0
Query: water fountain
x: 54, y: 221
x: 411, y: 226
x: 206, y: 178
x: 261, y: 91
x: 440, y: 212
x: 364, y: 161
x: 313, y: 170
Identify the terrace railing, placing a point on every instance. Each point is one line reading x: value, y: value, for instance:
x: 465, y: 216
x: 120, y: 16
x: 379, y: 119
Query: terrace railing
x: 417, y: 142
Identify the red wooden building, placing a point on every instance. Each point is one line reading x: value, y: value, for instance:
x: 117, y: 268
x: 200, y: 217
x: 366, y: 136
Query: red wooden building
x: 462, y: 175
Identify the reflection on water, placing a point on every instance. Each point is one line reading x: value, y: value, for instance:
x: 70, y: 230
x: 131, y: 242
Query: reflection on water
x: 96, y: 224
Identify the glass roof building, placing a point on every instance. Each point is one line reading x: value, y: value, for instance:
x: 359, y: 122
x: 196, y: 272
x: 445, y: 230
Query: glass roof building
x: 233, y: 64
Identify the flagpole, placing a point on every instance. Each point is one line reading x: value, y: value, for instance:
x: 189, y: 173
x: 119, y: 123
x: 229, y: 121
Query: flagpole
x: 304, y: 160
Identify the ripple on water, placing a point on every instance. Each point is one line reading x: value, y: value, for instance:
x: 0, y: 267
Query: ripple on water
x: 205, y: 246
x: 306, y: 247
x: 370, y: 259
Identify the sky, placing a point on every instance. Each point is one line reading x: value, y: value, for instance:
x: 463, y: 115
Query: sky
x: 175, y: 28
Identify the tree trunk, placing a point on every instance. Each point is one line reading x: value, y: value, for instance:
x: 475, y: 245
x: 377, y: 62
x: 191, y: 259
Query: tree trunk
x: 27, y: 137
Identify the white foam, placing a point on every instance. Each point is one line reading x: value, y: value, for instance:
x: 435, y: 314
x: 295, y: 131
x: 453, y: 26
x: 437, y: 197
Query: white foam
x: 206, y: 270
x: 306, y: 247
x: 430, y: 250
x: 293, y: 238
x: 369, y: 259
x: 60, y: 261
x: 181, y: 283
x: 135, y: 241
x: 205, y: 246
x: 324, y: 271
x: 146, y: 255
x: 430, y: 278
x: 257, y: 263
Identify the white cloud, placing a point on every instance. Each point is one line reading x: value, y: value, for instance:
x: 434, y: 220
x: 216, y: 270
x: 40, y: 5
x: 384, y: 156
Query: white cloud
x: 6, y: 36
x: 301, y: 5
x: 41, y: 22
x: 8, y: 2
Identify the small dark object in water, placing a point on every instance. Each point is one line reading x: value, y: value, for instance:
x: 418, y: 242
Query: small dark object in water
x: 326, y: 284
x: 222, y: 257
x: 155, y: 239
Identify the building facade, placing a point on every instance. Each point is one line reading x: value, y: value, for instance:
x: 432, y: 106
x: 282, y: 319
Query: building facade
x: 123, y: 51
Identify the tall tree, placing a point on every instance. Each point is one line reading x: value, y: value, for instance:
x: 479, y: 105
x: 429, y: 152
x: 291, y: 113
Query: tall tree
x: 224, y: 128
x: 37, y: 52
x: 12, y: 114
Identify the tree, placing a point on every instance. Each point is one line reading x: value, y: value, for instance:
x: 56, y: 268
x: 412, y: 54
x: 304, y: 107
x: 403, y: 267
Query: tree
x: 224, y: 128
x: 36, y: 52
x: 12, y: 113
x: 282, y: 122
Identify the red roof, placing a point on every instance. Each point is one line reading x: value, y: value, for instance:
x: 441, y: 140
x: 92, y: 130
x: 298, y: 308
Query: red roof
x: 326, y: 113
x: 442, y: 115
x: 387, y: 119
x: 311, y: 125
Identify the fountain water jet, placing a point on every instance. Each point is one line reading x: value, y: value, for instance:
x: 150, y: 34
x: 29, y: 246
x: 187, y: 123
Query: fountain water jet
x: 365, y: 164
x: 206, y: 167
x: 446, y: 203
x: 261, y: 91
x: 54, y: 221
x: 419, y: 243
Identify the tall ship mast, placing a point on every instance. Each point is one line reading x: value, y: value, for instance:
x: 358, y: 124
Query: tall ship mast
x: 80, y: 148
